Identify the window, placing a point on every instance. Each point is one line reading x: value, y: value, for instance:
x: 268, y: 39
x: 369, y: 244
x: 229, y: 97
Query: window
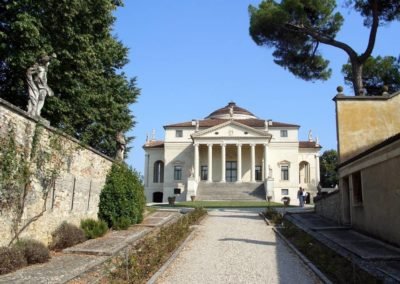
x: 158, y: 173
x: 285, y: 172
x: 178, y: 173
x: 304, y: 172
x: 204, y: 172
x: 284, y: 191
x: 357, y: 188
x: 284, y: 133
x: 178, y: 133
x: 177, y: 191
x: 258, y: 173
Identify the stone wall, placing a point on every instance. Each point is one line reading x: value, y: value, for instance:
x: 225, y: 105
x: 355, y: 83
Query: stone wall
x: 365, y: 121
x: 80, y: 176
x: 327, y: 205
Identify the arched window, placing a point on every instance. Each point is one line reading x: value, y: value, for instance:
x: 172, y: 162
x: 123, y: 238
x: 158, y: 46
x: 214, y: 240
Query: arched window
x: 158, y: 174
x: 304, y: 172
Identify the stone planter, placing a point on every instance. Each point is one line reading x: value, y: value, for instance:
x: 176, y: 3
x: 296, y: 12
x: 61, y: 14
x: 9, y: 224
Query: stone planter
x: 171, y: 200
x: 193, y: 198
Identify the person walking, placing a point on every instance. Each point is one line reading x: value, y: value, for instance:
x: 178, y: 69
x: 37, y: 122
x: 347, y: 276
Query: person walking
x: 300, y: 197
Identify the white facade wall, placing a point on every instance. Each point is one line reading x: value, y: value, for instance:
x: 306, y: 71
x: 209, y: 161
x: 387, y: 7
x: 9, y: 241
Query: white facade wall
x: 152, y: 155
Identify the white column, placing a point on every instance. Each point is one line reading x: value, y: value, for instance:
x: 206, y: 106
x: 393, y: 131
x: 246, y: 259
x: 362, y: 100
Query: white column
x: 209, y: 162
x: 223, y: 157
x: 196, y: 162
x: 253, y: 162
x: 239, y: 162
x: 266, y: 169
x: 317, y: 173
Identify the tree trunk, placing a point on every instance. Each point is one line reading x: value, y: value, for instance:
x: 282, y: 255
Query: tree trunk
x: 357, y: 69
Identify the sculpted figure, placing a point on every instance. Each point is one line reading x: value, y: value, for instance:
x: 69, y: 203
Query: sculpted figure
x: 231, y: 111
x: 36, y: 77
x: 121, y: 146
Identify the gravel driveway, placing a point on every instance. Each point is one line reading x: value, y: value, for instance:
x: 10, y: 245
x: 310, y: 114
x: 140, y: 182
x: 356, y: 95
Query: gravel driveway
x: 235, y: 246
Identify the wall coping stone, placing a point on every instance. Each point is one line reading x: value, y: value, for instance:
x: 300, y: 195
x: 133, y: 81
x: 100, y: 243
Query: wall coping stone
x: 325, y: 195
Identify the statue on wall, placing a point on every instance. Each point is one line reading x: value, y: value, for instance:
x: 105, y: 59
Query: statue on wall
x: 36, y: 78
x: 121, y: 146
x: 231, y: 111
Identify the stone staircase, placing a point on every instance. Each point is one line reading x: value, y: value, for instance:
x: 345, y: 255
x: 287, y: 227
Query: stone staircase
x: 231, y: 191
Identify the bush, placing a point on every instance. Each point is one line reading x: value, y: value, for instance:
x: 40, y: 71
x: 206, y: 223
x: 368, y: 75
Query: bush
x: 122, y: 199
x: 274, y: 216
x: 11, y: 259
x: 33, y: 251
x: 67, y: 235
x: 94, y: 228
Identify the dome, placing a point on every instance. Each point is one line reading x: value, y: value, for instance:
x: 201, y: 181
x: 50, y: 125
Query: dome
x: 231, y: 111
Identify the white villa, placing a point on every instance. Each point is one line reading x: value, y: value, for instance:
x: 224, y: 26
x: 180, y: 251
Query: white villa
x: 231, y: 154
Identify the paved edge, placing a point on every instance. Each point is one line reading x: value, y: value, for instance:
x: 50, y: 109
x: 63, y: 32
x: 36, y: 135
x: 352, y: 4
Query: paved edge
x: 306, y: 261
x: 174, y: 255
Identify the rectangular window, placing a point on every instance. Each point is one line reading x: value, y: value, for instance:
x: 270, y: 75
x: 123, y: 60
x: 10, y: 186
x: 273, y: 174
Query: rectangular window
x: 178, y: 173
x: 357, y: 188
x: 258, y: 173
x: 204, y: 172
x: 284, y: 191
x: 284, y: 133
x: 177, y: 191
x: 178, y: 133
x: 284, y: 172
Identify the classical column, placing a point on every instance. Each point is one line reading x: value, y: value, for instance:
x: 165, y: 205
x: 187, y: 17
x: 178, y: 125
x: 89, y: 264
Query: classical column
x: 266, y: 169
x: 223, y: 162
x: 196, y: 161
x: 239, y: 162
x: 209, y: 162
x: 253, y: 162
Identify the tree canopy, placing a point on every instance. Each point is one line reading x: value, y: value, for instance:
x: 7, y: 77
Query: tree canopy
x: 328, y: 164
x: 296, y: 28
x: 378, y: 73
x: 92, y: 95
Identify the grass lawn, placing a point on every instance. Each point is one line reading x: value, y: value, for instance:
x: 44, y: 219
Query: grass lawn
x: 223, y: 204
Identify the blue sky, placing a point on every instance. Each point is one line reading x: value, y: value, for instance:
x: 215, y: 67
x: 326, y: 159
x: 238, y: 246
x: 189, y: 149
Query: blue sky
x: 192, y: 57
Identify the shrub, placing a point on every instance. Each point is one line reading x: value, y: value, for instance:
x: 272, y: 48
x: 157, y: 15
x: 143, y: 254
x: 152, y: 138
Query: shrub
x: 122, y: 199
x: 273, y: 215
x: 67, y: 235
x: 34, y: 251
x: 93, y: 228
x: 11, y: 259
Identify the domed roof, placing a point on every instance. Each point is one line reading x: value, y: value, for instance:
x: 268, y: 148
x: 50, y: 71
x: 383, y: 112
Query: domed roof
x: 231, y: 111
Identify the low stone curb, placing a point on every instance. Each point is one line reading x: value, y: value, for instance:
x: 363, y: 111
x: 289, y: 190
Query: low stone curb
x: 165, y: 266
x: 306, y: 261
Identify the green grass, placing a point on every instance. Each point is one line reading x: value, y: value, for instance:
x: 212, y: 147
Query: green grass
x: 223, y: 204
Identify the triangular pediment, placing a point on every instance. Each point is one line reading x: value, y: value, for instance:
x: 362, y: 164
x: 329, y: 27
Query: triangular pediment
x: 230, y: 128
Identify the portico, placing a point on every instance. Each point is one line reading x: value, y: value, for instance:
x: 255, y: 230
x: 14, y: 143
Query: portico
x: 230, y: 161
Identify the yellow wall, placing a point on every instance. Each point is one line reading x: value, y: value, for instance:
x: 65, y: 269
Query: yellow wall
x: 363, y: 122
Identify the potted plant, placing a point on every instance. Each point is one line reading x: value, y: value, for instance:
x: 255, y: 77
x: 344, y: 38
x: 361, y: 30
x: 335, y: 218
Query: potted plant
x: 171, y: 200
x: 193, y: 198
x: 286, y: 200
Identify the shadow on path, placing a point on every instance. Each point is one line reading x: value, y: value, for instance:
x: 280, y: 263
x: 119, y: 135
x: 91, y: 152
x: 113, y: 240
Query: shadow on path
x: 248, y: 241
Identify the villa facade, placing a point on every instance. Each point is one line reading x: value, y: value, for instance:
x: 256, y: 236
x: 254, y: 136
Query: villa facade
x: 233, y: 148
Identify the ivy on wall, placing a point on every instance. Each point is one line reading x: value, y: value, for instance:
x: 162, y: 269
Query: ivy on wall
x: 39, y: 159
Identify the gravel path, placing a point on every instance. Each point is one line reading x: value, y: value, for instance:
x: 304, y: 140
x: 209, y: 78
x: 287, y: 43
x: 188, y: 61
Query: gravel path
x: 235, y: 246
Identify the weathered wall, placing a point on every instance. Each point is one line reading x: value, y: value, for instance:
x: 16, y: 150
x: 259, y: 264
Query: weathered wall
x: 327, y: 206
x: 365, y: 121
x: 75, y: 193
x: 378, y: 213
